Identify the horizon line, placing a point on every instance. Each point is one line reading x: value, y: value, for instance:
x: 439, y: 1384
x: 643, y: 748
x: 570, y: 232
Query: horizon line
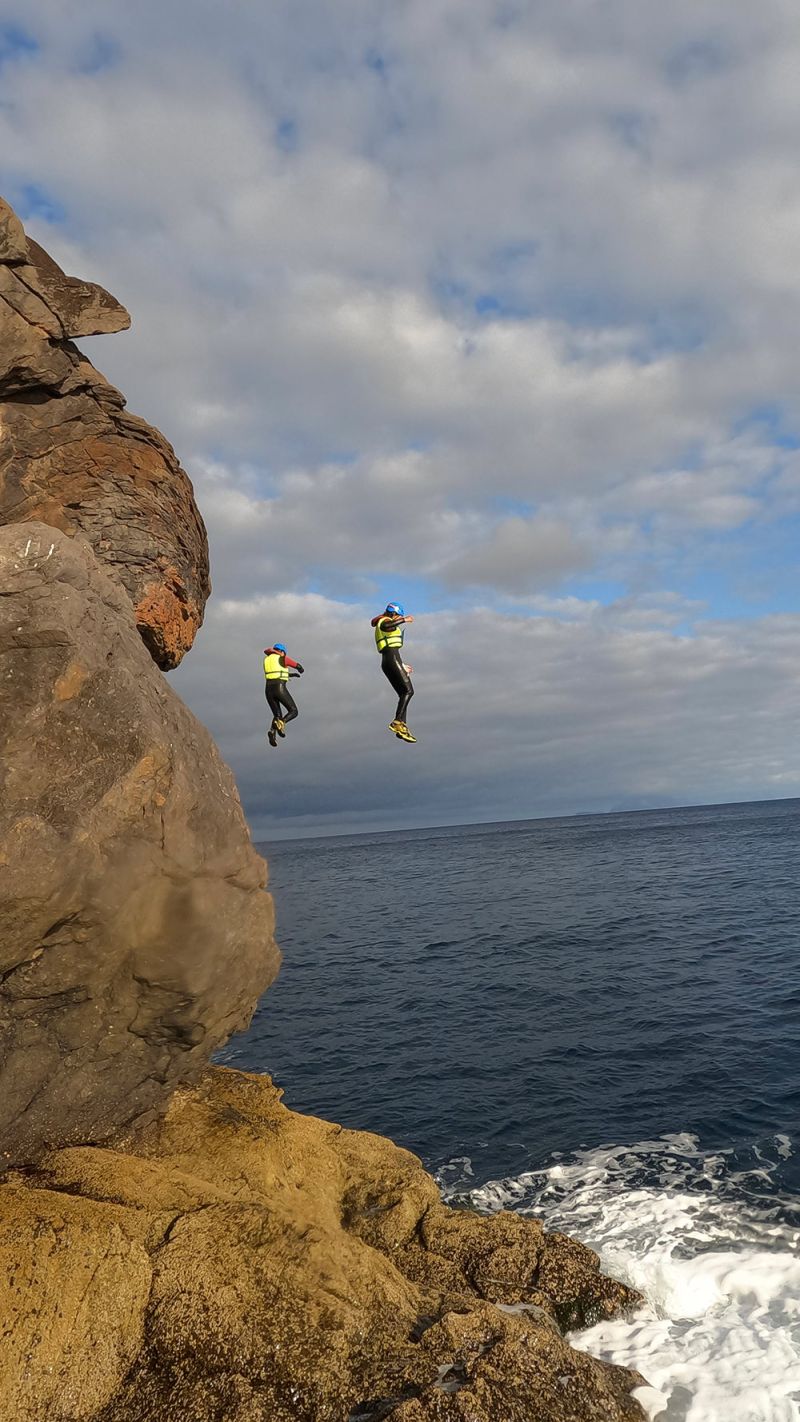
x: 522, y: 820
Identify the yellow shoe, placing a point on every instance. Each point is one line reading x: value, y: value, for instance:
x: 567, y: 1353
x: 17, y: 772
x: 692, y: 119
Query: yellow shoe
x: 396, y: 726
x: 280, y: 727
x: 403, y: 734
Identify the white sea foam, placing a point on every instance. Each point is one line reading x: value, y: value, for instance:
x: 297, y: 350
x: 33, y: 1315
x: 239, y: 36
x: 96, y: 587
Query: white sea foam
x: 711, y: 1243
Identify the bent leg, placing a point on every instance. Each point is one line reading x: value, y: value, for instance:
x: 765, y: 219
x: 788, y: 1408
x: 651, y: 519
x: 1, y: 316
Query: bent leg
x: 287, y: 700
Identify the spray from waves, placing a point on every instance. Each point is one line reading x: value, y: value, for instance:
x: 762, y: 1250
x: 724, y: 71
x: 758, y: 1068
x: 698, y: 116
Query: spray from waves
x: 709, y: 1239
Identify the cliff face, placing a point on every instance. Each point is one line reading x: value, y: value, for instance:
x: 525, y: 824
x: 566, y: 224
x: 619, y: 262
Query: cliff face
x: 135, y: 935
x: 72, y: 457
x: 240, y: 1263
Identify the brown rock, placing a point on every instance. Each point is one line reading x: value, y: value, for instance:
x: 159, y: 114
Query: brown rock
x: 75, y: 1286
x: 72, y: 457
x: 498, y: 1256
x: 570, y: 1274
x: 266, y: 1303
x: 135, y: 935
x: 505, y: 1258
x: 83, y: 307
x: 13, y: 244
x: 514, y: 1369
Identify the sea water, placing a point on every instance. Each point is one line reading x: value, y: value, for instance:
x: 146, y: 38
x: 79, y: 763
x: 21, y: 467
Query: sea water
x: 594, y: 1020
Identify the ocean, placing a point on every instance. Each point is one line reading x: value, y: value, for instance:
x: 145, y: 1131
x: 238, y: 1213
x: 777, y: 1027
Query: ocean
x: 592, y: 1019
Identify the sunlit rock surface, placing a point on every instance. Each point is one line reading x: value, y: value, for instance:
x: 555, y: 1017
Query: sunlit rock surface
x: 254, y: 1265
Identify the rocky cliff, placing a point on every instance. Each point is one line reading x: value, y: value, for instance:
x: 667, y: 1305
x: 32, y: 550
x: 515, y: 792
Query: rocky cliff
x: 135, y: 935
x: 71, y: 456
x: 175, y: 1249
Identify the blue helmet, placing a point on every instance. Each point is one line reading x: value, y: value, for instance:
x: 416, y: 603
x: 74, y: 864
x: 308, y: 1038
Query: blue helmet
x: 278, y: 647
x: 395, y: 609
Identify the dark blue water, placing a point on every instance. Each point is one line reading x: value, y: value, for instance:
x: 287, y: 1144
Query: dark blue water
x: 596, y: 1020
x: 513, y: 990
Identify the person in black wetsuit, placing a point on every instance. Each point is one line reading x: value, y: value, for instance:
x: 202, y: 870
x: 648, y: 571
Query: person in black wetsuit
x: 388, y: 627
x: 276, y: 688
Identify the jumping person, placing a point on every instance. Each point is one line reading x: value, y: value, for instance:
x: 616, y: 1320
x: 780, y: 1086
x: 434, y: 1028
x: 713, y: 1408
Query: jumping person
x: 276, y: 689
x: 389, y: 641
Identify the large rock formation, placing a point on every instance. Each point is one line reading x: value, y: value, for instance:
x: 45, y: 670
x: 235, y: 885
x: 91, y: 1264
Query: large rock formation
x: 135, y: 935
x: 240, y: 1263
x: 71, y: 456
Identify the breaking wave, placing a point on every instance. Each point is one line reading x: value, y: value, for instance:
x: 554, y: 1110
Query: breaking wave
x: 710, y: 1239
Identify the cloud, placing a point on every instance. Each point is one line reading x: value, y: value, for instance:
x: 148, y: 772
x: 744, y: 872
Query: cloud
x: 494, y: 303
x: 516, y: 716
x: 520, y: 555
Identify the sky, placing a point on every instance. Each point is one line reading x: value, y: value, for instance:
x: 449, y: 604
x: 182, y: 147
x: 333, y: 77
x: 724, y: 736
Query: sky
x: 491, y: 309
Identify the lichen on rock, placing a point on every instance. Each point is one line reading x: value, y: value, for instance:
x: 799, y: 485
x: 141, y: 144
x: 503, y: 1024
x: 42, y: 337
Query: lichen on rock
x: 271, y: 1267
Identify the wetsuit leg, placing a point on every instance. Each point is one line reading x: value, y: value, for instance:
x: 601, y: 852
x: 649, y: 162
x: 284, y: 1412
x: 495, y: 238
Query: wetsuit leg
x: 393, y: 669
x: 272, y: 693
x: 287, y: 700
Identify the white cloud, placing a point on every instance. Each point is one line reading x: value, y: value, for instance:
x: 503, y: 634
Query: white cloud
x: 519, y: 555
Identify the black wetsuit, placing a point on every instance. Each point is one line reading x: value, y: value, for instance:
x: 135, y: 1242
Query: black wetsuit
x: 279, y: 696
x: 396, y: 674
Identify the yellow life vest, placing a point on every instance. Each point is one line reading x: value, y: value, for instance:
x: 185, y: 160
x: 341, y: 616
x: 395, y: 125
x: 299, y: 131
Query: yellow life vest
x: 391, y: 637
x: 273, y: 668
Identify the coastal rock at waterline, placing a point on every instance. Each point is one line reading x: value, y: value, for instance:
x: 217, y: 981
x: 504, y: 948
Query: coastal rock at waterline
x: 71, y: 456
x: 238, y: 1261
x: 135, y: 934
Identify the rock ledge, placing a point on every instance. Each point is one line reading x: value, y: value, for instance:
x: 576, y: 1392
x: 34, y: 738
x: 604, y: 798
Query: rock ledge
x: 241, y: 1263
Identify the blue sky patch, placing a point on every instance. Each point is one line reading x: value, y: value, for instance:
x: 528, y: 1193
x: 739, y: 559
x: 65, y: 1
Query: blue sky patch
x: 634, y: 129
x: 101, y: 53
x: 286, y: 135
x: 16, y: 43
x: 697, y: 60
x: 498, y: 306
x: 377, y: 62
x: 771, y: 420
x: 31, y: 200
